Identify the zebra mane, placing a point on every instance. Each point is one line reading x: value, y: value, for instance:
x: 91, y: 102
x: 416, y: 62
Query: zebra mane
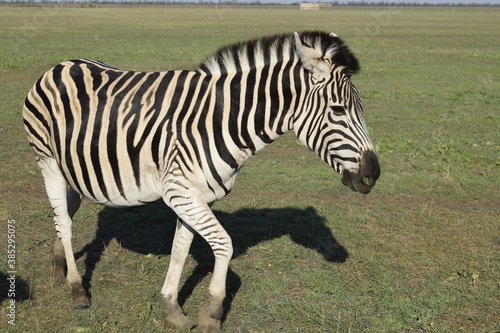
x: 263, y: 51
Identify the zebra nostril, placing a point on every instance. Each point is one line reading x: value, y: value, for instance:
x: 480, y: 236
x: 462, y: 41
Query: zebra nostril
x: 369, y: 169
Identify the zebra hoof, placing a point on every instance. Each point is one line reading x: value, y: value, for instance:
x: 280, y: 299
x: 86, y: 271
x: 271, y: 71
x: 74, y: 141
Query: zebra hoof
x: 209, y: 325
x: 180, y: 321
x: 209, y: 321
x: 79, y: 299
x: 176, y: 317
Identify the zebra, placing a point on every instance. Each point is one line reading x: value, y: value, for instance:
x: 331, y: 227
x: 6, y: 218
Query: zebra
x: 126, y: 138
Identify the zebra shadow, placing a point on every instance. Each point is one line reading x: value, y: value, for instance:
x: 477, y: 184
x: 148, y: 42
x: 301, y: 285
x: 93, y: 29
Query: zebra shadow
x: 150, y: 230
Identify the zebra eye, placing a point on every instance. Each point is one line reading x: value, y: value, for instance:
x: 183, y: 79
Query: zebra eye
x: 338, y: 110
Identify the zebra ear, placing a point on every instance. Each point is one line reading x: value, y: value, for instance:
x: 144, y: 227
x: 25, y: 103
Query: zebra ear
x: 311, y: 59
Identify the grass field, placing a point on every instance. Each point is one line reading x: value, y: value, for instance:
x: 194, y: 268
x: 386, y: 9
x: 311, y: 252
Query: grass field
x: 420, y: 253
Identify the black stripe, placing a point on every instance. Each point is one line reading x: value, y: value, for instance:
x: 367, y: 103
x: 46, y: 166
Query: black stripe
x: 102, y: 98
x: 135, y: 111
x: 41, y: 93
x: 315, y: 129
x: 124, y: 77
x: 235, y: 100
x: 347, y: 159
x: 35, y: 112
x: 157, y: 106
x: 38, y: 115
x: 111, y: 144
x: 198, y: 108
x: 260, y: 115
x: 347, y: 146
x: 83, y: 99
x: 219, y: 126
x: 251, y: 85
x: 34, y: 133
x: 202, y: 130
x: 69, y: 126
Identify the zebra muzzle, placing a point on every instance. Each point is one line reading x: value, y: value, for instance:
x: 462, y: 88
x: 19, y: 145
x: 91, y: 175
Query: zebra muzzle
x: 365, y: 178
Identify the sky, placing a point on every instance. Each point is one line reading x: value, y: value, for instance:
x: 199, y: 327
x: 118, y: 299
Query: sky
x: 312, y: 1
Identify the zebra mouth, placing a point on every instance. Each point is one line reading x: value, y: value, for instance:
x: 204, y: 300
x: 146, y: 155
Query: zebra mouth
x: 347, y: 181
x: 353, y: 181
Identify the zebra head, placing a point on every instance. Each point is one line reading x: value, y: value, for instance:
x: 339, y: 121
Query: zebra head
x: 331, y: 121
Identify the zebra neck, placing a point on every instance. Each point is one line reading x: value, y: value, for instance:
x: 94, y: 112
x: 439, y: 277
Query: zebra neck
x: 257, y: 106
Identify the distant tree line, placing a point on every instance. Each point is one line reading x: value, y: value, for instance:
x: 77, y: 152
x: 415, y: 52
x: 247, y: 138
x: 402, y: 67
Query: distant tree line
x: 413, y: 4
x: 259, y: 3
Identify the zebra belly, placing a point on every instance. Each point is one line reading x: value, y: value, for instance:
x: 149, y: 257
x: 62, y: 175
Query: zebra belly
x: 131, y: 196
x: 137, y: 199
x: 118, y: 187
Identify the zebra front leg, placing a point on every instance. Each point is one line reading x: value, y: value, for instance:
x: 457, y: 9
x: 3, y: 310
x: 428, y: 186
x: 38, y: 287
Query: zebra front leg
x: 55, y: 184
x: 202, y: 220
x: 209, y: 318
x: 58, y: 262
x: 180, y: 249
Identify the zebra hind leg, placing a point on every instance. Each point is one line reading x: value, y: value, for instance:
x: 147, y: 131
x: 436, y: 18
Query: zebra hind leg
x: 57, y: 269
x: 180, y: 249
x: 55, y: 184
x: 58, y: 261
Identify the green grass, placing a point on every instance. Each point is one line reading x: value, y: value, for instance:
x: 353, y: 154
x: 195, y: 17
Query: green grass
x: 420, y: 253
